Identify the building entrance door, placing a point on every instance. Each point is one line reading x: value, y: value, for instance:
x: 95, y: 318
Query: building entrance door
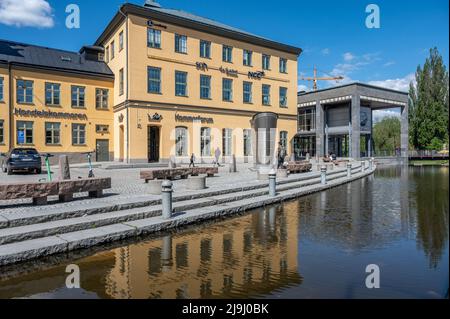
x: 153, y: 144
x: 102, y: 151
x: 338, y: 145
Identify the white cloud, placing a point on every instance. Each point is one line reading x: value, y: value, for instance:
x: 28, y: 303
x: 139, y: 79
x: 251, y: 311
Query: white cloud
x: 302, y: 87
x: 401, y: 84
x: 26, y: 13
x: 326, y: 51
x: 389, y: 63
x: 348, y: 57
x: 379, y: 115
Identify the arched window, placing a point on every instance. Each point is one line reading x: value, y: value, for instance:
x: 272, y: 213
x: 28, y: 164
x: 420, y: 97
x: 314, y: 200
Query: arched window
x: 205, y: 141
x: 181, y: 140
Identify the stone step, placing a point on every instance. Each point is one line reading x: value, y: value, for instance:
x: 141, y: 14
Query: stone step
x: 63, y: 242
x: 20, y: 233
x: 23, y: 218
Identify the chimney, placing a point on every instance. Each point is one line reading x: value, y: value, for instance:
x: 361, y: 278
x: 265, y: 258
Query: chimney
x: 151, y: 4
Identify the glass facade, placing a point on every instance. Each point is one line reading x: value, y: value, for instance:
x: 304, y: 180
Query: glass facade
x: 304, y: 145
x: 307, y: 120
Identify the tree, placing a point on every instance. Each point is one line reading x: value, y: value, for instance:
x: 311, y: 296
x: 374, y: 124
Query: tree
x: 428, y: 104
x: 386, y: 135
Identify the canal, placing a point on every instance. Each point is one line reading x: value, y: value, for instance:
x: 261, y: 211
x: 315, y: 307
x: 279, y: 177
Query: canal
x: 314, y: 247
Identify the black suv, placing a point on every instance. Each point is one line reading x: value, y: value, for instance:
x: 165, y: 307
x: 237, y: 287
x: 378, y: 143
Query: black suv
x: 23, y: 159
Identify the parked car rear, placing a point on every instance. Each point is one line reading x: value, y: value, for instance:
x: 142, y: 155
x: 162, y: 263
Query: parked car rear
x: 21, y: 159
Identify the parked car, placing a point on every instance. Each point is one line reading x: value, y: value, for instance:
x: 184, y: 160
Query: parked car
x: 21, y: 159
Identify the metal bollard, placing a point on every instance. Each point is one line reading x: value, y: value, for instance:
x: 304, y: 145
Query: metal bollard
x: 272, y: 183
x: 167, y: 199
x: 371, y: 164
x: 363, y: 164
x: 323, y: 175
x: 349, y: 169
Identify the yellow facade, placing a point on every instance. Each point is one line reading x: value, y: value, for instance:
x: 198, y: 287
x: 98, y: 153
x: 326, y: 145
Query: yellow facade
x: 136, y: 108
x: 33, y: 112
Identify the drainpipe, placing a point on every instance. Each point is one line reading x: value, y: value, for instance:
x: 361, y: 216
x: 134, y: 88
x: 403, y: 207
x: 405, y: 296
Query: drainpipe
x: 11, y: 110
x: 126, y: 93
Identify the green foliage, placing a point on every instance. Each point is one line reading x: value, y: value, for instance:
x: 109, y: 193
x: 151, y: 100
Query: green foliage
x: 386, y: 135
x: 428, y: 105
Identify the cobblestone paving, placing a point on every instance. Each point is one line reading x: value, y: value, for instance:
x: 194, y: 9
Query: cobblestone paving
x: 125, y: 185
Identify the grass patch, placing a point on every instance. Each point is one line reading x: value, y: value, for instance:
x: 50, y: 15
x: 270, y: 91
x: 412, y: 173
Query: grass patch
x: 429, y: 163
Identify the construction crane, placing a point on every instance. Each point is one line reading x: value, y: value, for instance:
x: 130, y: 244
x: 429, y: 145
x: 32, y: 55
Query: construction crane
x: 316, y: 78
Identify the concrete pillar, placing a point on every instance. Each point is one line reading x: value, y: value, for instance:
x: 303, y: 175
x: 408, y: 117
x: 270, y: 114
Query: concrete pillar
x: 356, y: 127
x: 349, y: 169
x: 404, y: 134
x: 272, y: 183
x: 319, y: 129
x: 64, y: 168
x: 323, y: 175
x: 327, y: 140
x: 167, y: 199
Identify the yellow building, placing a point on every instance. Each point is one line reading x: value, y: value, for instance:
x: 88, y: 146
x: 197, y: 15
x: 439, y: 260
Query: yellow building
x: 56, y: 101
x: 186, y: 84
x: 175, y: 84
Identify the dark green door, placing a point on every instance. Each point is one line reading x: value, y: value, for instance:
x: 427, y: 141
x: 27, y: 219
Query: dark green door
x: 102, y: 151
x: 153, y: 144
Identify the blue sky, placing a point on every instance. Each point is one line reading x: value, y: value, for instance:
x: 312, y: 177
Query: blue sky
x: 332, y: 33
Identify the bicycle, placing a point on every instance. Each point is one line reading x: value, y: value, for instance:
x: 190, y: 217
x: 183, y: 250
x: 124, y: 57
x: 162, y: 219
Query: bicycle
x: 47, y: 165
x: 91, y: 169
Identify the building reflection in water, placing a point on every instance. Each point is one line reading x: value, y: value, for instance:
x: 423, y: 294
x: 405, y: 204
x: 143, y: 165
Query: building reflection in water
x: 249, y: 256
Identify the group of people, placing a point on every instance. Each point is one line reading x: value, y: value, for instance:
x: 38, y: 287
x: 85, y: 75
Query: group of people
x: 217, y: 154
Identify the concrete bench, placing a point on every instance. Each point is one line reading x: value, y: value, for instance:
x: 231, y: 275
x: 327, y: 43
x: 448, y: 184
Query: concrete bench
x: 64, y: 189
x: 299, y: 167
x: 172, y: 173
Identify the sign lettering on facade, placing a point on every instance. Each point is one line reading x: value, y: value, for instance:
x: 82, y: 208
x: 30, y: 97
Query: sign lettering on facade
x: 229, y: 72
x: 256, y: 75
x: 50, y: 114
x: 190, y: 118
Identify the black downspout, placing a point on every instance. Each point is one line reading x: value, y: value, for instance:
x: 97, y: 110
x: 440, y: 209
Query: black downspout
x: 11, y: 115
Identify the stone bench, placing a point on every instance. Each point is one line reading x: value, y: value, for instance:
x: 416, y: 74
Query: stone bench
x: 299, y: 167
x: 172, y: 173
x: 64, y: 189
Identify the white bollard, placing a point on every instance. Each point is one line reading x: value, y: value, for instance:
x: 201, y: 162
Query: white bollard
x: 167, y: 199
x: 272, y: 183
x: 349, y: 169
x: 323, y: 175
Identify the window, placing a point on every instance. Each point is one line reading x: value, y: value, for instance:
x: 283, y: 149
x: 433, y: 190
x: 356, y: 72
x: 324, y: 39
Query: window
x: 180, y: 83
x: 284, y: 139
x: 248, y: 57
x: 227, y: 136
x: 180, y: 43
x: 227, y: 90
x: 113, y: 50
x: 247, y: 142
x: 52, y: 133
x: 205, y: 86
x: 266, y: 62
x: 52, y: 94
x: 101, y: 98
x: 283, y: 65
x: 2, y: 132
x: 205, y: 141
x: 107, y: 54
x: 181, y: 141
x: 121, y: 82
x: 247, y: 92
x: 24, y: 133
x: 265, y: 94
x: 78, y: 95
x: 154, y: 80
x: 78, y: 134
x: 1, y: 89
x: 205, y: 49
x: 121, y: 41
x: 100, y: 128
x: 307, y: 120
x: 24, y: 91
x: 227, y: 54
x: 154, y: 38
x: 283, y: 97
